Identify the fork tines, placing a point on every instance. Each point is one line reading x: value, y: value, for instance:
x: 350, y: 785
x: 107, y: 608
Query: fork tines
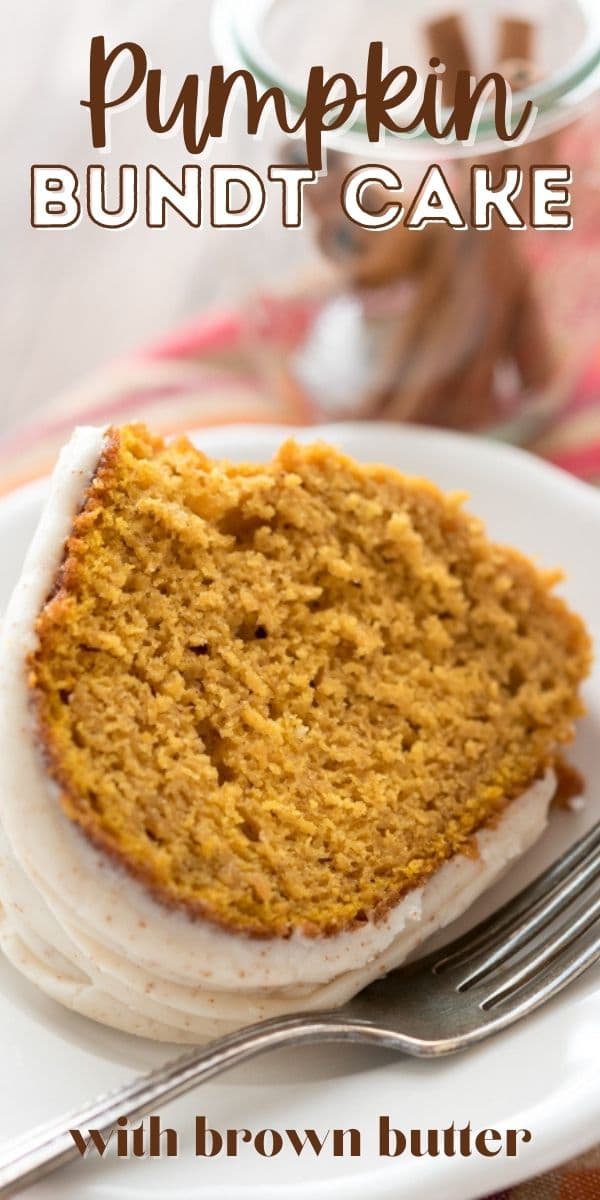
x: 537, y: 942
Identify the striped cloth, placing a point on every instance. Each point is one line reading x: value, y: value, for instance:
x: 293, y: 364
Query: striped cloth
x: 221, y: 370
x: 225, y: 368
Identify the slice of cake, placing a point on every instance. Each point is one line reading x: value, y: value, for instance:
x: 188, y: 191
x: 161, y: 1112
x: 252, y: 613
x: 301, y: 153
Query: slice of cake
x: 263, y: 728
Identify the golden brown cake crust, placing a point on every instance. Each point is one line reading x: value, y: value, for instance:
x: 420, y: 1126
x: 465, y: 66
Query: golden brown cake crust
x: 281, y: 696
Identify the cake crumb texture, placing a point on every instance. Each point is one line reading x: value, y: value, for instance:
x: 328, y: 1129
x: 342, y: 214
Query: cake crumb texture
x: 282, y: 695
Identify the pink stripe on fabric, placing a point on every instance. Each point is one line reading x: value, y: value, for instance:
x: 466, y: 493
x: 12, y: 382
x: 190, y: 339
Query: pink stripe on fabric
x: 586, y: 393
x: 131, y: 401
x: 271, y: 319
x: 209, y: 334
x: 584, y: 462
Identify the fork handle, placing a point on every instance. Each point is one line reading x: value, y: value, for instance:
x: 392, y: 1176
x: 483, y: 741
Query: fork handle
x: 39, y: 1152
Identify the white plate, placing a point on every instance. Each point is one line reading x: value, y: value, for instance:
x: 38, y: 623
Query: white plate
x: 543, y: 1076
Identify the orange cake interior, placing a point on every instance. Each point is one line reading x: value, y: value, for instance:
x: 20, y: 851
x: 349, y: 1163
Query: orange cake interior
x: 280, y: 696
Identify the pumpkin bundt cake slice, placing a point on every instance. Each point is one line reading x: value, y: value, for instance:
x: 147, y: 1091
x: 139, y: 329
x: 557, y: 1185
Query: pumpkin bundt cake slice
x: 274, y: 706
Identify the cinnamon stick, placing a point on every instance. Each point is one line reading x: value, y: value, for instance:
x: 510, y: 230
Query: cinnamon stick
x: 530, y: 342
x: 447, y: 41
x: 515, y: 40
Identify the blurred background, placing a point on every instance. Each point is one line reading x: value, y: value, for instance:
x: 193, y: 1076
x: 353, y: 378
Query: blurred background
x: 484, y: 332
x: 77, y: 298
x: 491, y: 333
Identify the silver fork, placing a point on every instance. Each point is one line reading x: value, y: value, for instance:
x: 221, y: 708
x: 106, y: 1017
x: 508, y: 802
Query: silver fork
x: 474, y: 987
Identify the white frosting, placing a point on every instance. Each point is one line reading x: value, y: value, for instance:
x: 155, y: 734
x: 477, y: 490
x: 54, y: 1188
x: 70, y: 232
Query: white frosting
x: 94, y: 939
